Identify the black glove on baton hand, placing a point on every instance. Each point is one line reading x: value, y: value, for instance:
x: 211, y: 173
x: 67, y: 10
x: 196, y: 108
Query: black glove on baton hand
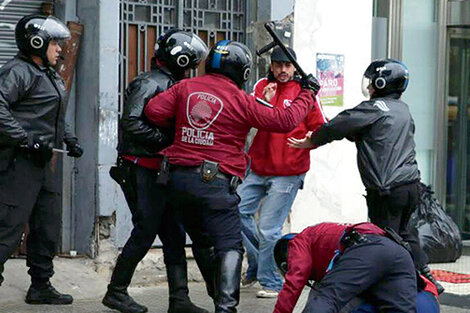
x: 74, y: 148
x: 41, y: 151
x: 310, y: 82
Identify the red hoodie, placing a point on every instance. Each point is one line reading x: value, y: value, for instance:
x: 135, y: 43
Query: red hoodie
x: 269, y: 153
x: 321, y: 240
x: 212, y: 117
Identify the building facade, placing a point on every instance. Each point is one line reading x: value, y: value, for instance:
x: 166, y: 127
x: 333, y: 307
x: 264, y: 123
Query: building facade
x: 431, y: 36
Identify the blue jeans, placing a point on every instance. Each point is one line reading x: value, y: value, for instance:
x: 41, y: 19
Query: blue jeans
x: 273, y: 197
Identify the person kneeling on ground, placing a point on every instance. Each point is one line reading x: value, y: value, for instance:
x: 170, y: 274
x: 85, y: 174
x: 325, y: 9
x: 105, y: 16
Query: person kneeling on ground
x: 345, y: 261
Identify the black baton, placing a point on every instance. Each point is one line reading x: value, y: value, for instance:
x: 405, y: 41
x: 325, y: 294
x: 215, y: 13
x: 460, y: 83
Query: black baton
x: 277, y: 42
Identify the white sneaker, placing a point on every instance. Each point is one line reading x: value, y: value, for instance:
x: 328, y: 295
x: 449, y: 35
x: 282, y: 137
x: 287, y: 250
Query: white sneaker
x: 267, y: 293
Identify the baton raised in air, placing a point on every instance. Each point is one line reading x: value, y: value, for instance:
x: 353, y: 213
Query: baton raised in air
x: 277, y: 42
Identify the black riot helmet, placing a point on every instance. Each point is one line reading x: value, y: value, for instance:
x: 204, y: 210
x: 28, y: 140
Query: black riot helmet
x: 232, y: 59
x: 281, y: 251
x: 385, y: 77
x: 180, y: 51
x: 33, y: 33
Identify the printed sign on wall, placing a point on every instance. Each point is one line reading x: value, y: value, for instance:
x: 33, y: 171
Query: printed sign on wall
x: 330, y: 73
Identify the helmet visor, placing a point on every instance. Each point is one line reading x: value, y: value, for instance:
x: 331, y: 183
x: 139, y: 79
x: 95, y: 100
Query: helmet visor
x: 56, y: 29
x: 366, y: 86
x: 200, y: 49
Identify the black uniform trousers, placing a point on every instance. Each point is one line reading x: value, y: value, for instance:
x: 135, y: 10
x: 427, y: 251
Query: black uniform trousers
x: 378, y: 269
x: 394, y: 210
x: 148, y: 203
x: 29, y: 193
x: 207, y: 209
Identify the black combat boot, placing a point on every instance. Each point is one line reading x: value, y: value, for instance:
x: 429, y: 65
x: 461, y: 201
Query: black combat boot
x: 229, y: 267
x: 117, y: 297
x: 42, y: 292
x: 178, y: 290
x: 205, y: 259
x: 426, y: 272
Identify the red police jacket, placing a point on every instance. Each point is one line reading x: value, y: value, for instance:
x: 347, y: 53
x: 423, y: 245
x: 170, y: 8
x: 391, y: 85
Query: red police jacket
x: 212, y: 117
x: 270, y: 155
x: 320, y: 241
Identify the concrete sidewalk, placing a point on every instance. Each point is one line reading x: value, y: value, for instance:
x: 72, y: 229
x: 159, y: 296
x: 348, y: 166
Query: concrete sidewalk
x: 79, y: 278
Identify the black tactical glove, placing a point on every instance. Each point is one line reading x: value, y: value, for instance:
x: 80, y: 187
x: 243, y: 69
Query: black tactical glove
x: 310, y: 82
x: 74, y: 148
x: 40, y: 150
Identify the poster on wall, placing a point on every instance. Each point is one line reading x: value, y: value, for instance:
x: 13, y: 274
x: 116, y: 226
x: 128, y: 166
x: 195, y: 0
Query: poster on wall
x: 330, y: 73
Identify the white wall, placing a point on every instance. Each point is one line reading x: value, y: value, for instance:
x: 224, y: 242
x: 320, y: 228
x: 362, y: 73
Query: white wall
x: 281, y: 8
x: 333, y: 190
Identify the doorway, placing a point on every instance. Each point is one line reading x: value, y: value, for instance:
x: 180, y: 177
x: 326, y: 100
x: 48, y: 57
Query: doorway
x: 458, y: 128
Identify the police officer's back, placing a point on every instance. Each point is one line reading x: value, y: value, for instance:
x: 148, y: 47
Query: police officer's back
x: 32, y: 112
x: 212, y: 116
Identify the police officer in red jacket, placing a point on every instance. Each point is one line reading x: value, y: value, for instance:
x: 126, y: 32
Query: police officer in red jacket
x: 212, y: 116
x: 346, y: 261
x: 277, y: 172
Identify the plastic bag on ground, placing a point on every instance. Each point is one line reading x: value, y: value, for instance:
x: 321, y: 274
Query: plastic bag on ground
x: 439, y: 235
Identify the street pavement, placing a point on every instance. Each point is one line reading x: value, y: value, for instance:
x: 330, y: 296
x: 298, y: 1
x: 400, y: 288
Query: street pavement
x: 155, y: 298
x: 79, y: 278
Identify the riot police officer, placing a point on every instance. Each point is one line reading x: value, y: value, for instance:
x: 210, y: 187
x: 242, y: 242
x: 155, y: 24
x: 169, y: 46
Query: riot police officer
x: 139, y: 162
x: 383, y: 130
x: 212, y: 116
x: 32, y: 109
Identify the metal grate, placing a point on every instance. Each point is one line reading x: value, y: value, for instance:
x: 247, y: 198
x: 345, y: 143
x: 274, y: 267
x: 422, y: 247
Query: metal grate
x: 11, y: 11
x: 142, y: 21
x: 215, y: 20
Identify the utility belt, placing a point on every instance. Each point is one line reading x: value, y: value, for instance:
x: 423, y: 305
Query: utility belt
x: 353, y: 238
x: 349, y: 239
x: 208, y: 171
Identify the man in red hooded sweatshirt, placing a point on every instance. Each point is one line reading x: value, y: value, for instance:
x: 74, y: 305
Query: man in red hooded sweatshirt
x: 276, y: 174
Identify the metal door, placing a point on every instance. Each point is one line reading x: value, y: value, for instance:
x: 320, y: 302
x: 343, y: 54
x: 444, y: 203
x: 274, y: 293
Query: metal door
x: 458, y: 128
